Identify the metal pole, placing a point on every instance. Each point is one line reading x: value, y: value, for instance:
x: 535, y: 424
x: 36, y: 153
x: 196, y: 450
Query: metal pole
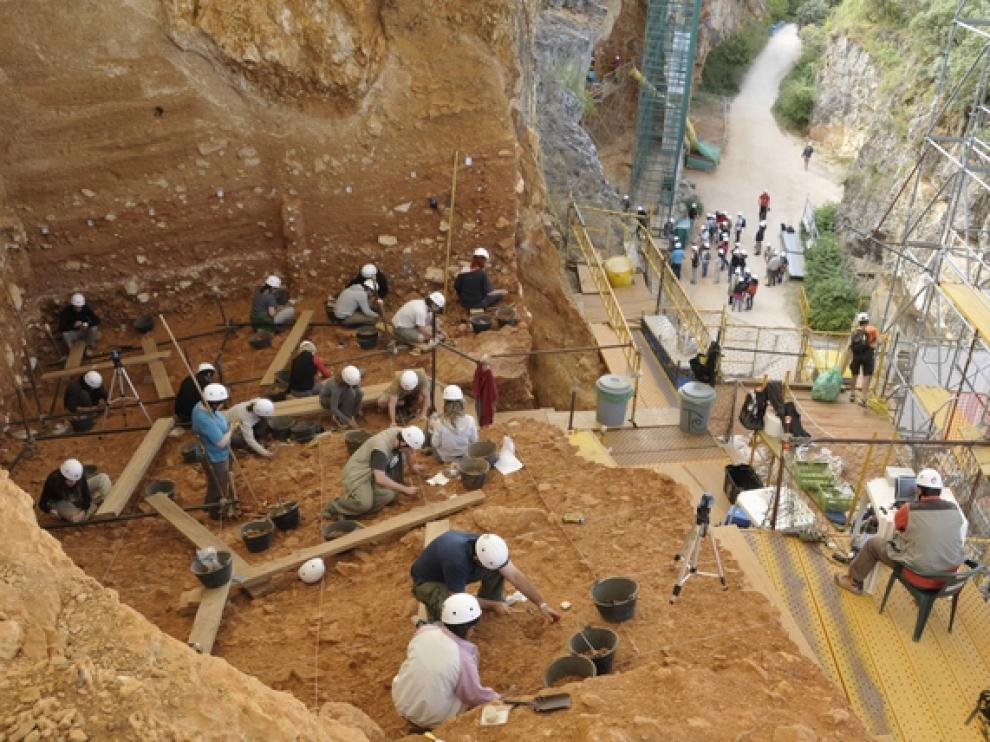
x: 106, y: 431
x: 121, y: 518
x: 433, y: 364
x: 450, y: 221
x: 862, y: 480
x: 570, y: 417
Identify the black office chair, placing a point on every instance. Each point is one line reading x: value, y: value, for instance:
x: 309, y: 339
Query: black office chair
x: 925, y: 599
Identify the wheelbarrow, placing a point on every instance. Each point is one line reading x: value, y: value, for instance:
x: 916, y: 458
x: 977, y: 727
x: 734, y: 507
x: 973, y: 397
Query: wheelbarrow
x: 549, y: 702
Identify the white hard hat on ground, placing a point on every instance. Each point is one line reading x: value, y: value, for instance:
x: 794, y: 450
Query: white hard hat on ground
x: 78, y: 300
x: 929, y: 478
x: 215, y: 392
x: 350, y: 375
x: 437, y: 298
x: 368, y: 271
x: 408, y: 380
x: 480, y: 252
x: 307, y: 345
x: 460, y: 608
x: 273, y: 282
x: 413, y: 437
x: 93, y: 379
x: 204, y: 366
x: 492, y: 551
x: 263, y: 407
x: 312, y: 571
x: 862, y: 317
x: 453, y: 393
x: 72, y: 470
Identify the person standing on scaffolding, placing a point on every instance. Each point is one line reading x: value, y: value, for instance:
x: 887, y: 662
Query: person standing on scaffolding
x: 643, y: 220
x: 862, y: 344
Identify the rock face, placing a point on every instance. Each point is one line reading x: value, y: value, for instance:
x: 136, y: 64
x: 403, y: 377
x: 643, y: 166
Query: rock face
x: 847, y: 103
x: 77, y: 664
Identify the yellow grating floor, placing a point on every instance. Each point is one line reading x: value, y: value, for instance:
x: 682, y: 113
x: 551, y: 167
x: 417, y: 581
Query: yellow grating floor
x: 590, y: 448
x: 910, y: 691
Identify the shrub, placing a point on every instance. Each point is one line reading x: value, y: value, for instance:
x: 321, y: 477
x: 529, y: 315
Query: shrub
x: 812, y: 12
x: 825, y: 217
x: 833, y: 298
x: 798, y: 93
x: 727, y: 63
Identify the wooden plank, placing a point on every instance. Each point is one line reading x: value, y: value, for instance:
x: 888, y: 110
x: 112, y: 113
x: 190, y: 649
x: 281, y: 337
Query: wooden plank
x: 433, y: 529
x: 195, y: 531
x: 972, y: 303
x: 204, y: 629
x: 375, y: 532
x: 291, y: 342
x: 136, y: 468
x: 586, y: 283
x: 65, y: 373
x: 76, y: 353
x: 302, y: 406
x: 163, y: 385
x: 615, y: 359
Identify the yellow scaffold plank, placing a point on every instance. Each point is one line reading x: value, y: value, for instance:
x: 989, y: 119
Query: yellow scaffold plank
x: 590, y: 448
x: 973, y: 304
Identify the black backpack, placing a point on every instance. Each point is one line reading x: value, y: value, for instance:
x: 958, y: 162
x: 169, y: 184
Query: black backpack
x: 859, y: 342
x: 751, y: 413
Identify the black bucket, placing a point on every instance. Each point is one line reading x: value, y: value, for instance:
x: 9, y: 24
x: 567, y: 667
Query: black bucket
x: 144, y: 323
x: 285, y: 516
x: 333, y: 531
x: 161, y: 487
x: 277, y: 391
x: 597, y: 644
x: 486, y: 450
x: 473, y: 472
x: 615, y: 598
x: 481, y: 322
x: 280, y: 427
x: 216, y: 577
x: 257, y: 534
x: 90, y: 470
x: 506, y: 316
x: 568, y: 667
x: 354, y: 439
x: 192, y: 452
x: 367, y: 338
x: 305, y: 431
x: 260, y: 339
x: 82, y: 423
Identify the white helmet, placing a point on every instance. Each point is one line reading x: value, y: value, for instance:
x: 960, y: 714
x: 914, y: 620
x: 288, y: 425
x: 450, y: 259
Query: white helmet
x: 368, y: 271
x: 350, y: 375
x: 738, y: 213
x: 78, y: 300
x: 204, y: 366
x: 93, y: 379
x: 927, y: 478
x: 263, y: 407
x: 453, y: 393
x: 460, y: 608
x: 408, y: 380
x: 413, y: 437
x: 215, y: 393
x: 273, y: 282
x: 369, y: 283
x: 307, y: 345
x: 492, y: 551
x: 862, y: 317
x: 763, y: 223
x: 312, y: 571
x: 480, y: 252
x: 437, y: 298
x: 72, y: 470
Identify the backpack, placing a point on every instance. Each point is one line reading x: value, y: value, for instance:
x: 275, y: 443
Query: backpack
x: 750, y: 415
x: 859, y: 342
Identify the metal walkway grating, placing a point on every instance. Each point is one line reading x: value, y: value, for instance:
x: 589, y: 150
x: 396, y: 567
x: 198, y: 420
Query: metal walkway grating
x: 643, y: 446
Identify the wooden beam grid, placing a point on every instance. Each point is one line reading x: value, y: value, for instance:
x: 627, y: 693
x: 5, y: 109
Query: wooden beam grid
x: 137, y: 467
x: 102, y: 365
x: 292, y: 340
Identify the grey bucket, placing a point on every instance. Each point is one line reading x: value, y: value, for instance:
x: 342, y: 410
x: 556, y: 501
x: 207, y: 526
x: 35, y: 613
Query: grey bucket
x: 473, y: 472
x: 486, y: 450
x: 160, y: 487
x: 696, y: 406
x: 216, y: 577
x: 564, y: 666
x: 596, y: 638
x: 615, y: 598
x: 614, y: 393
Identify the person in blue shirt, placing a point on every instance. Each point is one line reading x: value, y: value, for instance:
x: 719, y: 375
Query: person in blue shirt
x: 676, y: 258
x: 212, y: 428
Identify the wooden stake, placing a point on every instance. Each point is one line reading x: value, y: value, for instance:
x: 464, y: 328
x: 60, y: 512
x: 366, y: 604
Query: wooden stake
x: 450, y: 221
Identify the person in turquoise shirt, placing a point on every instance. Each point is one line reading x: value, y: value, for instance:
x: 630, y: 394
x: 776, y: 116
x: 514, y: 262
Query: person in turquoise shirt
x: 676, y: 258
x: 213, y: 429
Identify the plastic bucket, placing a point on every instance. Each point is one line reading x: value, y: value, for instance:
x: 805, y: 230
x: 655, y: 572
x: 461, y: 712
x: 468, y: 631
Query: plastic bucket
x: 160, y: 487
x: 506, y: 316
x: 305, y: 431
x: 216, y: 577
x: 696, y: 406
x: 614, y: 393
x: 481, y: 322
x: 277, y: 391
x: 367, y: 338
x: 597, y: 644
x: 192, y: 453
x: 257, y: 534
x: 280, y: 427
x: 739, y: 478
x: 90, y: 470
x: 619, y: 271
x: 354, y: 439
x: 82, y: 423
x: 574, y: 667
x: 486, y: 450
x: 615, y: 598
x: 260, y: 339
x: 285, y: 516
x: 473, y: 472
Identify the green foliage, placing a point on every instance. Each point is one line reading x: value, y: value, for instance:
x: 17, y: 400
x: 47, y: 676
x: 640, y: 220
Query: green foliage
x: 825, y: 217
x: 575, y: 80
x: 798, y: 93
x: 727, y: 63
x: 781, y: 10
x: 833, y: 298
x: 812, y: 12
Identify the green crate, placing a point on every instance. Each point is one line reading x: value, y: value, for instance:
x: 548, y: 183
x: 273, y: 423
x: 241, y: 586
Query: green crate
x: 831, y: 499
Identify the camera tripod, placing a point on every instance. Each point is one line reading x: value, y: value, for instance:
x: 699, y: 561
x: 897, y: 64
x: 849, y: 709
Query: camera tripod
x: 688, y: 555
x: 120, y: 384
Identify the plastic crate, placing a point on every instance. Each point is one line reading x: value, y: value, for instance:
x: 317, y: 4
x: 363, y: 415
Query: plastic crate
x: 739, y: 478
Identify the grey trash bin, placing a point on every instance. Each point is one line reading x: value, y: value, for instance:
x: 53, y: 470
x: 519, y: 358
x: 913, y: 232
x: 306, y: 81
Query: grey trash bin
x: 614, y: 393
x: 696, y: 406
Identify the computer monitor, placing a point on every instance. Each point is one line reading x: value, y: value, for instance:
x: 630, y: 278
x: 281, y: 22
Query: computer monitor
x: 905, y: 489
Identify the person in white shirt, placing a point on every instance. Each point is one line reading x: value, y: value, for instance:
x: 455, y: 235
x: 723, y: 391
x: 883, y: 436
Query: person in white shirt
x: 452, y: 432
x: 413, y: 322
x: 439, y: 678
x: 249, y: 421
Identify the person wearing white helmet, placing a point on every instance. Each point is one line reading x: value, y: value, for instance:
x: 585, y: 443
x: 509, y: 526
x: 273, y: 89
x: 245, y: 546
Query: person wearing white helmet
x: 249, y: 422
x: 453, y: 431
x: 374, y: 473
x: 456, y: 558
x: 68, y: 494
x: 474, y: 287
x: 78, y: 321
x: 269, y: 306
x: 356, y: 304
x: 413, y: 322
x: 929, y: 536
x: 369, y: 270
x: 863, y: 347
x: 188, y: 394
x: 303, y: 370
x: 85, y: 393
x: 761, y: 233
x: 439, y: 677
x: 209, y: 424
x: 343, y: 396
x: 740, y: 225
x: 407, y: 397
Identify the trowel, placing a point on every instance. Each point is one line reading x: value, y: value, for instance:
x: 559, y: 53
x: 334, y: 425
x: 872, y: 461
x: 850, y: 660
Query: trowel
x: 551, y: 702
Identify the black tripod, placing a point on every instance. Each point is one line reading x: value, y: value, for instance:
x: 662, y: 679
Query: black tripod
x: 120, y: 385
x: 688, y: 555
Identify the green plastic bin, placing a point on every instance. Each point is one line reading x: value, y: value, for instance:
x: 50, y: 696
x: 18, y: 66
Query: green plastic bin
x: 614, y: 393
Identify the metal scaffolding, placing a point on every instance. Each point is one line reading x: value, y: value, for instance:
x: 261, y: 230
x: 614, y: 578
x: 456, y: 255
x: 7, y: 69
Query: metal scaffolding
x: 664, y: 94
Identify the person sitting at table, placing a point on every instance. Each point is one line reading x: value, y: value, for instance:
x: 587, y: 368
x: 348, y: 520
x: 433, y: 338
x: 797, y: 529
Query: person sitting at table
x: 929, y: 536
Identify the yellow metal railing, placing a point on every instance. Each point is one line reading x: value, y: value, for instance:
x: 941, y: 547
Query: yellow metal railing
x: 674, y: 294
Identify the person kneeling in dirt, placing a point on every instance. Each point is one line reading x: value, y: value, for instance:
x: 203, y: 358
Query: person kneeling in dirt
x: 413, y: 322
x: 373, y: 474
x: 356, y: 305
x: 188, y: 394
x: 342, y: 396
x: 456, y: 558
x: 269, y: 306
x: 455, y: 430
x: 72, y: 497
x: 407, y: 397
x: 249, y: 421
x: 439, y: 677
x: 303, y: 370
